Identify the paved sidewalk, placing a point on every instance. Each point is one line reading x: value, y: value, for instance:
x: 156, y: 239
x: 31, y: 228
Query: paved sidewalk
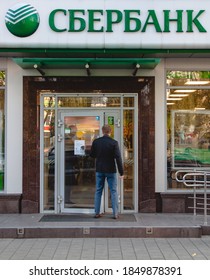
x: 106, y: 249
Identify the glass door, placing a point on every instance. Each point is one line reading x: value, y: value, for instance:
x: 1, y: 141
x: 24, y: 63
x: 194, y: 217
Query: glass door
x: 76, y: 172
x: 112, y: 118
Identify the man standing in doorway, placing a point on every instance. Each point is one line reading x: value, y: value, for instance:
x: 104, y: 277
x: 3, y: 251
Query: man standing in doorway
x: 107, y: 153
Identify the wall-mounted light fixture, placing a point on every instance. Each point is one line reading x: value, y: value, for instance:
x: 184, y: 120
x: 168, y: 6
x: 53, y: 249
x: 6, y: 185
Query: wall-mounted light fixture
x: 87, y: 67
x: 136, y: 69
x: 39, y: 69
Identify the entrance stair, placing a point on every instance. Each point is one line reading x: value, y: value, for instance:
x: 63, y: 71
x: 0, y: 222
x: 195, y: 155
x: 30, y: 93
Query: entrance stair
x: 140, y: 225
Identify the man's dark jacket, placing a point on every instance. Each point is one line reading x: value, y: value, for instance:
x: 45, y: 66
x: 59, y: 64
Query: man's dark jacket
x: 106, y: 151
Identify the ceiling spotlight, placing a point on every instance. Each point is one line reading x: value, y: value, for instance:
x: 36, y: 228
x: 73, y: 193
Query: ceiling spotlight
x: 39, y: 69
x: 87, y: 66
x: 136, y: 69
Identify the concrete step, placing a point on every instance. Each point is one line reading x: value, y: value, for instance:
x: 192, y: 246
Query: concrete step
x: 85, y: 226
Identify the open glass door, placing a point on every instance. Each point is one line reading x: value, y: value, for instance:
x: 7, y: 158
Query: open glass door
x: 112, y: 118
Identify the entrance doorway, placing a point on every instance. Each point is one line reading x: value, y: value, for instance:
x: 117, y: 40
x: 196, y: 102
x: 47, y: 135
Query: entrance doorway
x: 68, y: 130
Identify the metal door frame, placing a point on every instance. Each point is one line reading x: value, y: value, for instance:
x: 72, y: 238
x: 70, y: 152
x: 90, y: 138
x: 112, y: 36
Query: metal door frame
x: 60, y: 155
x: 61, y: 114
x: 117, y: 136
x: 66, y: 109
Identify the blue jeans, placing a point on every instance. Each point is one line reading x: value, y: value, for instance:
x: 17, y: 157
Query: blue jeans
x: 112, y: 183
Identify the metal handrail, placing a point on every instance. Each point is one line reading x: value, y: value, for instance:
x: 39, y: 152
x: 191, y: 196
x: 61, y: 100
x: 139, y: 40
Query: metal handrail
x: 190, y: 179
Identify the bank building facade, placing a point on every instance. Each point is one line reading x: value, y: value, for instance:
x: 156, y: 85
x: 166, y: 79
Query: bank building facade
x: 69, y: 67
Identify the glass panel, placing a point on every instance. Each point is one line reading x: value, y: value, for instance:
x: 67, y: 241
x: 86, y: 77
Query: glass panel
x: 49, y: 102
x: 2, y: 135
x: 2, y: 78
x: 190, y: 139
x: 128, y: 101
x: 49, y: 159
x: 188, y: 78
x: 74, y: 102
x: 113, y: 102
x: 128, y: 138
x: 188, y: 130
x: 79, y: 170
x: 95, y: 101
x: 110, y: 119
x: 188, y: 99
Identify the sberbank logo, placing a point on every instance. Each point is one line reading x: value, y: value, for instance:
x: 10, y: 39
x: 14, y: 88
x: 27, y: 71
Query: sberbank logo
x: 22, y: 20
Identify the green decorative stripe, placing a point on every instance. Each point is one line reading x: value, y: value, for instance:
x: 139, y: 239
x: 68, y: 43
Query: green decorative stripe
x: 19, y: 10
x: 108, y: 51
x: 15, y: 16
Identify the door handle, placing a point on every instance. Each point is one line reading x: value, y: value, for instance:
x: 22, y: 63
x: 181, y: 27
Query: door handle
x: 60, y: 123
x: 60, y: 199
x: 117, y: 123
x: 60, y: 137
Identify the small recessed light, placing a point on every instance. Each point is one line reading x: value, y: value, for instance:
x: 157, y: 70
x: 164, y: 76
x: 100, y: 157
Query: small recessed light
x: 185, y: 90
x: 197, y: 83
x: 178, y: 95
x: 198, y: 109
x: 174, y: 98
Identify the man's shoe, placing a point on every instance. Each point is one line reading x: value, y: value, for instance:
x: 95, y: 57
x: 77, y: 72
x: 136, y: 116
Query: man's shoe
x: 116, y: 217
x: 97, y: 216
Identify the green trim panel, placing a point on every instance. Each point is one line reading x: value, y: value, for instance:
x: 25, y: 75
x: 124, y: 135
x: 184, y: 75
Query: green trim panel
x: 80, y: 63
x: 103, y: 51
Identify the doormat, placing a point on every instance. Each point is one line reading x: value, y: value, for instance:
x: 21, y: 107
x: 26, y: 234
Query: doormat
x: 86, y: 218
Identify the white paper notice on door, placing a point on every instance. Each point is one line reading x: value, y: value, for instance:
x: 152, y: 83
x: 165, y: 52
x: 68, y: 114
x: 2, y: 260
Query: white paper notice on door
x: 79, y: 147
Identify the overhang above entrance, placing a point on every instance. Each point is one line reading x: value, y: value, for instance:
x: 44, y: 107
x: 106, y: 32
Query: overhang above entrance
x: 87, y: 63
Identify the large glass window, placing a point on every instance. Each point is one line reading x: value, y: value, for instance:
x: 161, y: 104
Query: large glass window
x: 2, y: 128
x: 188, y: 122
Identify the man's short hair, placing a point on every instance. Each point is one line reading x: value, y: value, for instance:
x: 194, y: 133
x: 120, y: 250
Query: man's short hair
x: 106, y: 129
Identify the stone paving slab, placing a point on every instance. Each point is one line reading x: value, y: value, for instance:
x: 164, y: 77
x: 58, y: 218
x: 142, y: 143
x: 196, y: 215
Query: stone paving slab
x: 106, y: 249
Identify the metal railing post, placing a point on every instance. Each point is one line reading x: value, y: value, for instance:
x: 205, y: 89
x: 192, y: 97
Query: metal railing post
x: 205, y: 199
x: 191, y: 178
x: 194, y: 195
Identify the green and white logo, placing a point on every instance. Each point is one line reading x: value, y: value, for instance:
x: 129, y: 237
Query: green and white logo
x: 22, y: 20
